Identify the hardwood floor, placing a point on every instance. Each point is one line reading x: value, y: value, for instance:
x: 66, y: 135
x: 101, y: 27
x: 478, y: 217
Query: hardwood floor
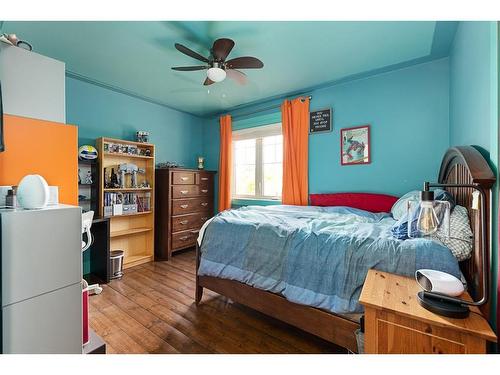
x: 152, y: 310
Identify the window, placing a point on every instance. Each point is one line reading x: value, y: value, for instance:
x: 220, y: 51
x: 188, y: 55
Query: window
x: 258, y: 162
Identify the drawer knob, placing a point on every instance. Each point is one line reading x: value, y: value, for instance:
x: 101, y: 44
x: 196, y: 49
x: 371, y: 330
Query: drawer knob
x: 204, y: 178
x: 184, y: 238
x: 204, y: 191
x: 184, y: 178
x: 183, y: 222
x: 184, y: 191
x: 204, y: 204
x: 184, y: 205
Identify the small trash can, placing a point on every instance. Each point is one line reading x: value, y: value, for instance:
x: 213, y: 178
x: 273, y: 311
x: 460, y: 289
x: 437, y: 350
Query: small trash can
x: 116, y: 264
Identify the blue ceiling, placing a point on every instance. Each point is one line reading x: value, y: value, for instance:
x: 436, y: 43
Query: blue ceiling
x: 135, y: 57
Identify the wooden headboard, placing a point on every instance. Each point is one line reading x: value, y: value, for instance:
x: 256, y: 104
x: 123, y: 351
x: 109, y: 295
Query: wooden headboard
x: 465, y: 165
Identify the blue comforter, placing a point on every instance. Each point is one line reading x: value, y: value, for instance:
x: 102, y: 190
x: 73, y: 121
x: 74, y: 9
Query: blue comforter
x: 314, y: 256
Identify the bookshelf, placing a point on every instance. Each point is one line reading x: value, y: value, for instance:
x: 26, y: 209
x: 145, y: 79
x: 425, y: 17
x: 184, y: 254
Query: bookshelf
x: 133, y: 230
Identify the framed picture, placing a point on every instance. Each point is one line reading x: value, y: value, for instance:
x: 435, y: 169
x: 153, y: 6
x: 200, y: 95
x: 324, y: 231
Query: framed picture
x: 355, y: 145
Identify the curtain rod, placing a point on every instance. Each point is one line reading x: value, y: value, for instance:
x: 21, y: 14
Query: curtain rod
x: 262, y: 110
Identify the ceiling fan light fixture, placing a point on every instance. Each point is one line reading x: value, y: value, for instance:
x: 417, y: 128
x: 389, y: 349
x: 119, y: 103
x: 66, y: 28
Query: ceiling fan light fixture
x: 217, y: 66
x: 216, y: 74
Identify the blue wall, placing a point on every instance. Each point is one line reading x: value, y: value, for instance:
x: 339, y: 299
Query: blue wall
x: 101, y: 112
x: 474, y: 104
x: 471, y: 84
x: 408, y: 111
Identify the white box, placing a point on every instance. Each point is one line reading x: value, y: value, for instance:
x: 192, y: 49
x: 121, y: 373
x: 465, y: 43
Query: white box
x: 117, y: 209
x: 53, y: 195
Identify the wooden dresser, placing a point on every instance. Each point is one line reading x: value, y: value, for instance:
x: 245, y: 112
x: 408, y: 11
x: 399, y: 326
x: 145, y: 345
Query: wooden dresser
x: 184, y: 201
x: 395, y: 323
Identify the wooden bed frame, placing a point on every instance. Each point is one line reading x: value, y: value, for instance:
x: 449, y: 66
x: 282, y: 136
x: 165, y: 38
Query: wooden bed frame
x: 463, y: 164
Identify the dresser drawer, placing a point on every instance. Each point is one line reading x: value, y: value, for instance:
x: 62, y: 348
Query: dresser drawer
x: 186, y: 206
x: 204, y: 191
x: 180, y: 223
x: 183, y: 191
x: 184, y: 239
x: 183, y: 178
x: 204, y: 216
x: 205, y: 179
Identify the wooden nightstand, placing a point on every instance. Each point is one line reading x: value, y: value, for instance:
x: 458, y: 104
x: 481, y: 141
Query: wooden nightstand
x: 396, y: 323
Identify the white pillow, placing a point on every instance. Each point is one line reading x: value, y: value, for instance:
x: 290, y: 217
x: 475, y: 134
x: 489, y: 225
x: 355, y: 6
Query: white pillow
x: 400, y: 208
x: 460, y: 239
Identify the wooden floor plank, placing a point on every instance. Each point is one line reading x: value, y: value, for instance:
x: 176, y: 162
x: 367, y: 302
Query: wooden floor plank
x: 239, y: 312
x: 219, y: 306
x: 152, y: 310
x: 201, y: 330
x: 112, y: 334
x: 184, y: 305
x: 110, y: 349
x: 139, y: 310
x: 139, y: 333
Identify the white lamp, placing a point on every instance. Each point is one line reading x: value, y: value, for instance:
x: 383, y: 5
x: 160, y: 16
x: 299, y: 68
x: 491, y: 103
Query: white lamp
x: 436, y: 297
x: 216, y: 73
x: 33, y: 192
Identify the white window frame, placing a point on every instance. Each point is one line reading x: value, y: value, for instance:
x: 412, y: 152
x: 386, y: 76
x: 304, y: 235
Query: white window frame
x: 256, y: 133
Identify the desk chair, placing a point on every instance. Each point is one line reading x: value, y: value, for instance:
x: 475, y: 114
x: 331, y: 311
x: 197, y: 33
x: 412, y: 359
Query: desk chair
x: 87, y: 218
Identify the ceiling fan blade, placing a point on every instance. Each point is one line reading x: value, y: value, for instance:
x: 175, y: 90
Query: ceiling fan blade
x: 237, y: 76
x: 245, y: 62
x: 190, y: 52
x: 190, y: 68
x: 208, y: 81
x: 221, y: 48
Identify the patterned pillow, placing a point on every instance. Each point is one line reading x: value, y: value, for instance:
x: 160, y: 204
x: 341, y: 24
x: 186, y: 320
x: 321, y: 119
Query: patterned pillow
x: 460, y: 238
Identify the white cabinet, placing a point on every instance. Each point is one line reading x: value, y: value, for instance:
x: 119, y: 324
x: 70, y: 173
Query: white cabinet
x: 48, y: 324
x: 32, y: 85
x: 40, y: 283
x: 41, y: 251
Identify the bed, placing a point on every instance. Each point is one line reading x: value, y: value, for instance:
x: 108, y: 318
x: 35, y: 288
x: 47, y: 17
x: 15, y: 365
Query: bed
x: 306, y: 265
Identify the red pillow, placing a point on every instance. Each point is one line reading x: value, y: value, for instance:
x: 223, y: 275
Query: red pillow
x: 364, y: 201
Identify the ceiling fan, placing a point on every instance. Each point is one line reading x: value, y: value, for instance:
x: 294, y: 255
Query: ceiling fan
x: 216, y: 65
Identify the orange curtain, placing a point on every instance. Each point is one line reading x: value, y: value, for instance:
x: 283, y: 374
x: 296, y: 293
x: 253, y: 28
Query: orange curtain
x: 295, y: 125
x: 225, y: 162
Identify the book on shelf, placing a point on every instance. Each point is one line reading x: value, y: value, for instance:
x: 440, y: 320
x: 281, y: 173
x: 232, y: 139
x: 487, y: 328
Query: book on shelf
x: 131, y: 203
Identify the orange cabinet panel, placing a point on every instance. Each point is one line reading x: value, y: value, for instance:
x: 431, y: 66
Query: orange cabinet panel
x: 49, y: 149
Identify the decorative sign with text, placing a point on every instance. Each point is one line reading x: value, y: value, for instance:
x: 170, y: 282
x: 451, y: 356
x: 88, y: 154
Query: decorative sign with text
x: 320, y: 121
